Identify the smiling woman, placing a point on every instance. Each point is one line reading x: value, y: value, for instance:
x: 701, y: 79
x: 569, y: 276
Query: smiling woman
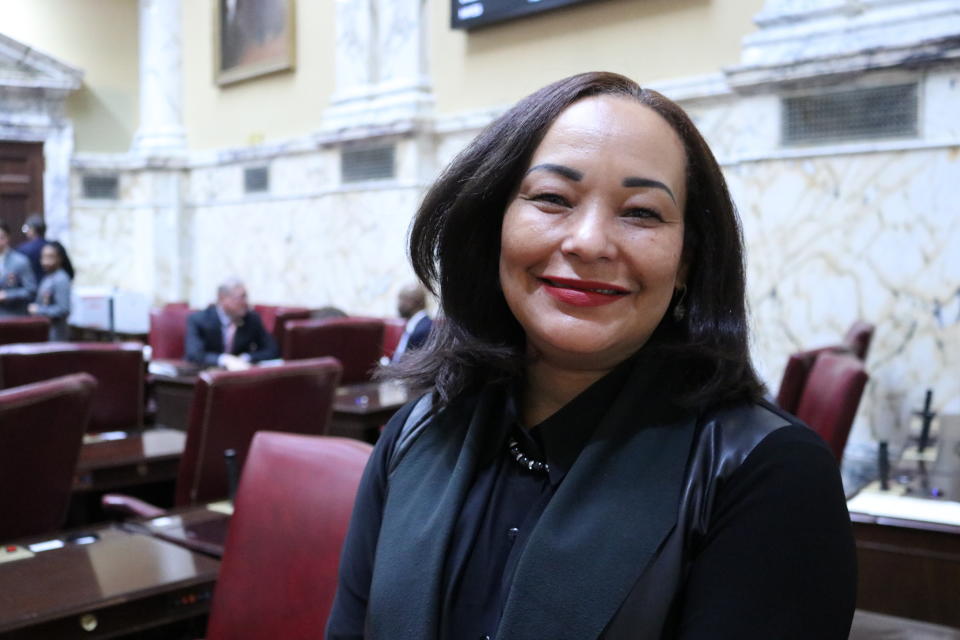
x: 592, y: 458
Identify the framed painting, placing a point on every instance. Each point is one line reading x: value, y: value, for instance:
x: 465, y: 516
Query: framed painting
x: 253, y: 38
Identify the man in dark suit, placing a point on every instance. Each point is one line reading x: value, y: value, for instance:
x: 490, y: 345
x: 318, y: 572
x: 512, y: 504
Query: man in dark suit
x: 411, y: 305
x: 35, y: 230
x: 228, y: 334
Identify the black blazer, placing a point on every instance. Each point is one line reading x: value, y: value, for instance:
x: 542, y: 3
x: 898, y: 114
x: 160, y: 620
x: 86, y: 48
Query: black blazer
x: 204, y: 339
x: 613, y: 552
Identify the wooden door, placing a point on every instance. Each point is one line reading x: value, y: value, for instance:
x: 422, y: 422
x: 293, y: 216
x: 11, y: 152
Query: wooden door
x: 21, y: 184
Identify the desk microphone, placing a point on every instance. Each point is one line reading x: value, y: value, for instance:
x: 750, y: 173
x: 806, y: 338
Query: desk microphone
x: 883, y: 462
x: 230, y: 458
x: 927, y: 416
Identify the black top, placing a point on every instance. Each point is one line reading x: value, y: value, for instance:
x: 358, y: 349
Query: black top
x: 505, y: 501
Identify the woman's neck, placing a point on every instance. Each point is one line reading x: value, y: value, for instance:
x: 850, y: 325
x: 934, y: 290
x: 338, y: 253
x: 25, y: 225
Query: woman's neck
x: 548, y: 388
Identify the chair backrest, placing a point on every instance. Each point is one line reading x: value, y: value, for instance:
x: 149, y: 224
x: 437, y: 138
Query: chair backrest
x: 168, y: 331
x: 794, y: 379
x: 41, y: 428
x: 356, y: 342
x: 858, y: 338
x: 274, y: 318
x: 280, y: 562
x: 831, y: 397
x: 230, y: 406
x: 392, y: 332
x: 117, y: 366
x: 16, y: 329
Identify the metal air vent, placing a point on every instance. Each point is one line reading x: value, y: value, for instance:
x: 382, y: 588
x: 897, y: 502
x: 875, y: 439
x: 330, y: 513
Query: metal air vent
x: 856, y: 114
x: 256, y: 180
x: 368, y: 163
x: 101, y: 187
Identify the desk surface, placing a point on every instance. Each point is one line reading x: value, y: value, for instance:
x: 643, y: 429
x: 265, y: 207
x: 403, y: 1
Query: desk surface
x: 126, y: 459
x: 196, y: 528
x: 119, y: 583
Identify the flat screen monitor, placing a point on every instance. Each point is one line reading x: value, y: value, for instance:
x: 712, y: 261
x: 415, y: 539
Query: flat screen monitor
x: 468, y: 14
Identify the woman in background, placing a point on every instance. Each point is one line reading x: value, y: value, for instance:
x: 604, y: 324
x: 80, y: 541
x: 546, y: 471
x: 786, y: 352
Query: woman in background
x: 53, y: 295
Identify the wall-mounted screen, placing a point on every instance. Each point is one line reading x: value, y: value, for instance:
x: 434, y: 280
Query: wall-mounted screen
x: 467, y: 14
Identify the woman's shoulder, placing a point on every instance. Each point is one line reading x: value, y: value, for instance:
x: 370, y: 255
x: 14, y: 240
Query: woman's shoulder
x: 741, y: 428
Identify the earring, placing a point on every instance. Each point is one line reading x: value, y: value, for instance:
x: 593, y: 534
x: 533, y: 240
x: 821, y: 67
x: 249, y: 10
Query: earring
x: 679, y: 311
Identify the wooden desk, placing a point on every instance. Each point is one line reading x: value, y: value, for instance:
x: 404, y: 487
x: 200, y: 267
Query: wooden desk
x: 120, y: 584
x: 141, y: 458
x: 908, y: 568
x: 196, y: 528
x: 359, y: 410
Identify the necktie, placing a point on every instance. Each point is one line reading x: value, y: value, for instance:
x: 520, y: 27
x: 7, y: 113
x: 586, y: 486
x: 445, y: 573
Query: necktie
x: 228, y: 338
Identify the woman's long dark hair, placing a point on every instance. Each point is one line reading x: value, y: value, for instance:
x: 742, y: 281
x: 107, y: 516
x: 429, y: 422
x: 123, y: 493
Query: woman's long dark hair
x: 65, y: 262
x: 455, y: 251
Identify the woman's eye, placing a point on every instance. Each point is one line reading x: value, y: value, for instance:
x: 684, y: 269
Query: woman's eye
x: 550, y: 198
x: 643, y: 214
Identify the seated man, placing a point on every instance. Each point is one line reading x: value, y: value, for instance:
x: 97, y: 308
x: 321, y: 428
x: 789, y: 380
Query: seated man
x: 228, y: 334
x: 411, y: 303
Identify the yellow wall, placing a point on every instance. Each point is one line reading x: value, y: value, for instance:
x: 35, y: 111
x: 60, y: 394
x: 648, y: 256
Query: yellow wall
x: 100, y: 37
x: 277, y: 106
x: 647, y: 40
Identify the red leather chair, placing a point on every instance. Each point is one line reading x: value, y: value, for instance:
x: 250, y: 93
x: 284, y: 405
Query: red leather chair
x: 392, y: 332
x: 29, y: 329
x: 274, y: 318
x: 117, y: 367
x: 858, y: 338
x: 795, y: 374
x: 356, y: 342
x: 280, y: 563
x: 41, y: 430
x: 831, y: 396
x: 228, y: 408
x: 168, y: 331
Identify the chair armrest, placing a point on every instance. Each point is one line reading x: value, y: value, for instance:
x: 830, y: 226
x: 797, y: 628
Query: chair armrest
x: 130, y: 506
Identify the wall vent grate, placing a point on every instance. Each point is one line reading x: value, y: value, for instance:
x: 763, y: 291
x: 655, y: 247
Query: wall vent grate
x: 101, y: 187
x: 256, y: 180
x: 856, y: 114
x: 368, y: 163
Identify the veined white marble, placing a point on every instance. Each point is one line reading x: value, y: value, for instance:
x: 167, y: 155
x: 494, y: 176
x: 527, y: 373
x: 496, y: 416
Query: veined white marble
x: 816, y: 38
x: 381, y: 64
x: 161, y: 102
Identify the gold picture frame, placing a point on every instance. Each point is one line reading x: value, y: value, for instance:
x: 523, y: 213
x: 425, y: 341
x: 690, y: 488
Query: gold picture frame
x: 252, y: 38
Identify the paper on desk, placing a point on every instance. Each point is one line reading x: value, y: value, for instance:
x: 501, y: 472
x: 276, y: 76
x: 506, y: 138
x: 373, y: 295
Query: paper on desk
x: 888, y: 505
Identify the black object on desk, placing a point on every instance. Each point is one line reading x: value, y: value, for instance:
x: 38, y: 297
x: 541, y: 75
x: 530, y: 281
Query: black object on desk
x: 883, y: 465
x: 230, y: 458
x: 927, y: 416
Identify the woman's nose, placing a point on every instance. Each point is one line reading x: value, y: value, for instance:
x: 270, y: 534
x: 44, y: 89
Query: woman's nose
x: 588, y: 235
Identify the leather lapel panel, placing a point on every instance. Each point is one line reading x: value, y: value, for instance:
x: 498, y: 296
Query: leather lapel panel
x: 606, y: 522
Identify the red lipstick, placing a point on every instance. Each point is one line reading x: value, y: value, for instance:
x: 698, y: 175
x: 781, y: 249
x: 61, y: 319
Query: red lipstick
x: 583, y: 293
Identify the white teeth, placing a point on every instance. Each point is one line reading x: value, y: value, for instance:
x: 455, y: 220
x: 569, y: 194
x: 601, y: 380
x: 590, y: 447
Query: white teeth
x: 609, y: 292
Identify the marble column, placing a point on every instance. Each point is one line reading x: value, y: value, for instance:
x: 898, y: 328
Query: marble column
x: 161, y: 83
x: 381, y: 64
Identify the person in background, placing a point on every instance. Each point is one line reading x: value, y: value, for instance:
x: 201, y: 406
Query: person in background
x: 18, y: 284
x: 35, y: 229
x: 228, y: 334
x: 411, y: 305
x: 53, y: 295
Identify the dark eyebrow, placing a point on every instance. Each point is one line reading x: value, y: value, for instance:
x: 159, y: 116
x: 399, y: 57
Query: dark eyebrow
x: 647, y: 182
x: 566, y: 172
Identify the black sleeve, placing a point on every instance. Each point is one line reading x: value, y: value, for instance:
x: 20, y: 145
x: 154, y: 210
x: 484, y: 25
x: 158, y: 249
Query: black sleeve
x: 779, y: 561
x: 195, y: 346
x: 267, y: 345
x: 349, y: 610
